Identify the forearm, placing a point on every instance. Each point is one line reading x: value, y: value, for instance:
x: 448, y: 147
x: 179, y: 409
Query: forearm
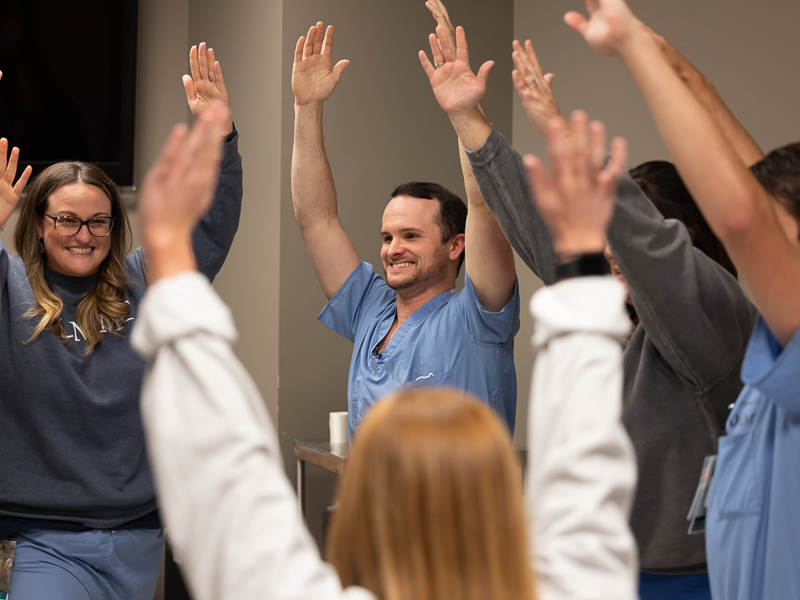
x: 313, y: 191
x: 721, y: 184
x: 504, y: 185
x: 202, y: 414
x: 705, y: 92
x: 169, y: 253
x: 213, y: 236
x: 582, y: 472
x: 489, y: 258
x: 472, y: 128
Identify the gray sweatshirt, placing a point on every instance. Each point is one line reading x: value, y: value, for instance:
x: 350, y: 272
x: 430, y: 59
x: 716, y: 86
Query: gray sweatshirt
x: 682, y: 361
x: 72, y: 440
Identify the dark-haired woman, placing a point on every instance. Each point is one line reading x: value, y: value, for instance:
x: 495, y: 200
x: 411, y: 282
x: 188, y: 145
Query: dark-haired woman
x: 752, y: 527
x: 76, y: 492
x: 690, y: 323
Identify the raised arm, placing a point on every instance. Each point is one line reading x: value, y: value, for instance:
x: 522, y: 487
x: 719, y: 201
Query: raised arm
x: 213, y: 236
x: 202, y: 413
x: 743, y: 216
x: 582, y: 471
x: 332, y: 254
x: 10, y: 192
x: 705, y: 92
x: 489, y: 260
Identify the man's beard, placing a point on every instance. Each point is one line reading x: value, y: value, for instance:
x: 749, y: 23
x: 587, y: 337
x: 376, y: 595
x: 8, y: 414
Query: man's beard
x: 438, y: 264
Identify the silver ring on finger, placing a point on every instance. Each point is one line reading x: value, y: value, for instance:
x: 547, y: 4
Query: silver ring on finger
x: 212, y: 79
x: 437, y: 65
x: 530, y: 81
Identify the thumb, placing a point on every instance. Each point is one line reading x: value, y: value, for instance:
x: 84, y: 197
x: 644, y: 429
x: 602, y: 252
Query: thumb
x: 548, y: 79
x: 339, y: 68
x: 577, y: 22
x: 483, y: 72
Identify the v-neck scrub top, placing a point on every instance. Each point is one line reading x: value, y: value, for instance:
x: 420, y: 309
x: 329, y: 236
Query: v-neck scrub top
x: 450, y: 340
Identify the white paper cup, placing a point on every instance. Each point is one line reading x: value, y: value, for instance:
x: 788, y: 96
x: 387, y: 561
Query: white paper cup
x: 338, y: 425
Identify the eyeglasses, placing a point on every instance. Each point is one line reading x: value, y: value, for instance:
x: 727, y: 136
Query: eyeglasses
x: 70, y: 226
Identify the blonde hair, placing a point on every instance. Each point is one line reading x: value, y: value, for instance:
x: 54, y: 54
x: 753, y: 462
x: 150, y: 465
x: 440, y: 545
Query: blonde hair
x: 430, y: 506
x: 102, y: 307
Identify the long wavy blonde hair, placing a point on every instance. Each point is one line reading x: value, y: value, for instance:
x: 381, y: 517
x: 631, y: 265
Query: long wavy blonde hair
x: 430, y: 505
x: 104, y: 307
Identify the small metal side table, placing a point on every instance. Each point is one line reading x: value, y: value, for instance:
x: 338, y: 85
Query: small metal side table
x: 333, y: 457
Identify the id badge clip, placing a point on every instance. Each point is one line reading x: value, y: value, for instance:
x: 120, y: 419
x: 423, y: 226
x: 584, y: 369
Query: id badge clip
x: 697, y: 512
x: 7, y: 550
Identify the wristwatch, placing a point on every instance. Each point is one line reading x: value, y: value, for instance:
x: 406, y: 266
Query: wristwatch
x: 582, y: 265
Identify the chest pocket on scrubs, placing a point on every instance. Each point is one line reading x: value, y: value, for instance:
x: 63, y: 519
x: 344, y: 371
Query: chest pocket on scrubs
x: 432, y: 379
x: 736, y: 495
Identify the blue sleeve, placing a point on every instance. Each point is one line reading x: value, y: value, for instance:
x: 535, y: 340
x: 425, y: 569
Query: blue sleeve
x: 773, y: 371
x: 484, y: 326
x: 213, y: 236
x: 362, y: 291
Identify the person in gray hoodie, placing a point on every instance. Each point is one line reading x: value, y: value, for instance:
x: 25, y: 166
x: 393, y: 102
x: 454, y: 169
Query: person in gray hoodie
x: 690, y: 318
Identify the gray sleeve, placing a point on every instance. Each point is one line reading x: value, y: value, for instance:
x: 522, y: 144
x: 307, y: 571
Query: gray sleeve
x: 213, y: 236
x: 692, y: 309
x: 503, y: 181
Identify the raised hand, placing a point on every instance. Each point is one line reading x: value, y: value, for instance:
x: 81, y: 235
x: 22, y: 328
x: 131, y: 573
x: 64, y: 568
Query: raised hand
x: 577, y: 200
x: 206, y: 84
x: 178, y: 190
x: 609, y: 26
x: 457, y: 89
x: 313, y: 79
x: 534, y: 88
x: 439, y: 12
x: 10, y: 192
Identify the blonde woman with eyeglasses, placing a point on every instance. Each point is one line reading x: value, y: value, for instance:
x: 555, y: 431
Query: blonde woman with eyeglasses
x: 76, y: 491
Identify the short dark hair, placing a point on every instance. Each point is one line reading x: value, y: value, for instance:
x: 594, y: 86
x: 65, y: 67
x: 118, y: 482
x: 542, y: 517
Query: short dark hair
x: 779, y: 174
x: 661, y: 183
x: 452, y: 210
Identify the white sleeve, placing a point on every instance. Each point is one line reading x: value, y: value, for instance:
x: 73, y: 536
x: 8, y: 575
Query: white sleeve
x: 581, y: 467
x: 227, y: 504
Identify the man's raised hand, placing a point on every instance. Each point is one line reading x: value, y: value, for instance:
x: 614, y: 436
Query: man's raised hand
x: 313, y: 79
x: 457, y: 89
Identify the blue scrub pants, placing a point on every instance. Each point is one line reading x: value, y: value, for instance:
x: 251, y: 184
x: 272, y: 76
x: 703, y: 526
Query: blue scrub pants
x: 91, y: 565
x: 666, y: 587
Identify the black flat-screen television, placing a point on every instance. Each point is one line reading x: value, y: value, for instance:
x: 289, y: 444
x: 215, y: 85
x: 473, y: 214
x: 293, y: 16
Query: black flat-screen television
x: 69, y: 82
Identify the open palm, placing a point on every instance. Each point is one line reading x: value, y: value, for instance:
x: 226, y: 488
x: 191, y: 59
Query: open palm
x: 9, y: 191
x: 313, y: 78
x: 456, y: 87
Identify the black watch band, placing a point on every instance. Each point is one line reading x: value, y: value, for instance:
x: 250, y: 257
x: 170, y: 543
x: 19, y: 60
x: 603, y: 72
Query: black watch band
x: 582, y: 265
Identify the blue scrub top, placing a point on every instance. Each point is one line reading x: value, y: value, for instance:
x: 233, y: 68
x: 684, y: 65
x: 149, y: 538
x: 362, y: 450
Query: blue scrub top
x: 450, y: 340
x: 753, y: 527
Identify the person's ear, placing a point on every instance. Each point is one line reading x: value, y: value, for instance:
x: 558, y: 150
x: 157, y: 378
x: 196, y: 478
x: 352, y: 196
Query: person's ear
x: 457, y: 246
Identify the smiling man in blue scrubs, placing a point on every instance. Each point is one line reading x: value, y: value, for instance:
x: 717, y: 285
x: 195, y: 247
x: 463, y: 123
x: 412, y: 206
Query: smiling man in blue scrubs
x: 414, y: 327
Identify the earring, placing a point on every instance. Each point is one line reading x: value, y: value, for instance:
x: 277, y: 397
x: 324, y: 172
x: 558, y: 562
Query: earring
x: 41, y: 245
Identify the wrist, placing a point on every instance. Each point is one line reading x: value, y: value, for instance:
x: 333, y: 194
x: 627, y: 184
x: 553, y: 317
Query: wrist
x: 578, y: 244
x: 472, y: 127
x: 584, y: 264
x: 168, y: 252
x: 310, y: 108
